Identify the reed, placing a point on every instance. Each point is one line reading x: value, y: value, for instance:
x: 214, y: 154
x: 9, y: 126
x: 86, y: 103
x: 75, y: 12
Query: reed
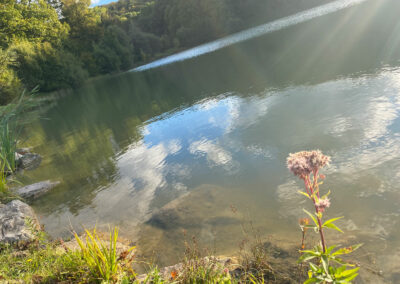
x: 11, y: 121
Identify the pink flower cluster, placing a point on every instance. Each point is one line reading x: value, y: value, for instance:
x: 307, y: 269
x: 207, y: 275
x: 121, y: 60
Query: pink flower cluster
x: 322, y: 204
x: 304, y: 163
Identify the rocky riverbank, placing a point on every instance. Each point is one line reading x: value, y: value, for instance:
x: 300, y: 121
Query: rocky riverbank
x: 22, y: 241
x: 28, y: 255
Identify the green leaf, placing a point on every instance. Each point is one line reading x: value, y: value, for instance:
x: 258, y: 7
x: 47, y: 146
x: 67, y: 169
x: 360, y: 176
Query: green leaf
x: 312, y: 280
x: 325, y: 263
x: 346, y: 250
x: 332, y: 226
x: 351, y: 277
x: 305, y: 257
x: 303, y: 193
x: 328, y: 250
x: 332, y: 220
x: 339, y: 260
x: 313, y: 267
x: 313, y: 252
x: 312, y: 217
x: 326, y: 195
x: 349, y: 272
x: 340, y: 270
x: 308, y: 226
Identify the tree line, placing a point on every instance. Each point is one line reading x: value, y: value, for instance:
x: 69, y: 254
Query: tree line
x: 58, y: 44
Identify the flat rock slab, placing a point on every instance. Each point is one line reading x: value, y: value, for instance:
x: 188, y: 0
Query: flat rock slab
x: 36, y: 190
x: 18, y: 222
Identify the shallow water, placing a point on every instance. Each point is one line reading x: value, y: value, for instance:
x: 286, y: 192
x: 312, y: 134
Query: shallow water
x: 177, y: 147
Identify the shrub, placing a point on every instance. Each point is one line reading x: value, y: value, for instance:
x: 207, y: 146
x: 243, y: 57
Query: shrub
x: 10, y: 84
x: 40, y: 64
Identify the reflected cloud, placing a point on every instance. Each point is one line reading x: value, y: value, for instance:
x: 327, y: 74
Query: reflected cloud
x: 180, y: 171
x: 289, y: 198
x: 259, y: 151
x: 174, y: 146
x: 339, y: 126
x: 215, y: 154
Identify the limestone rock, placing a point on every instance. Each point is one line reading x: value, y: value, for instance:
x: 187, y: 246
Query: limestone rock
x: 36, y: 190
x: 18, y: 222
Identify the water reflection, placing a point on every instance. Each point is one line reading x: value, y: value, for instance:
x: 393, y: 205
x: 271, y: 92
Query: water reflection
x: 174, y: 155
x: 171, y: 149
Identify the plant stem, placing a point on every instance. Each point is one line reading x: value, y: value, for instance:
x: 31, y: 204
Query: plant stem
x: 311, y: 187
x: 303, y: 239
x: 321, y: 233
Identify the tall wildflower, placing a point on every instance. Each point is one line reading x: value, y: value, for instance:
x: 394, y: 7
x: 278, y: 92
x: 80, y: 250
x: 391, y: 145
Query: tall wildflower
x: 306, y: 166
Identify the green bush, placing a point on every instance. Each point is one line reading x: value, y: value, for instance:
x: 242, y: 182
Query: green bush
x: 113, y: 52
x: 40, y: 64
x: 10, y: 84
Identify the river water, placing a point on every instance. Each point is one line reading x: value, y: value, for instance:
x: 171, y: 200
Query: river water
x: 200, y: 145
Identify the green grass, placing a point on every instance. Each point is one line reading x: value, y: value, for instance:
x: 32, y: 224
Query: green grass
x: 11, y: 120
x: 8, y: 143
x: 198, y: 268
x: 102, y: 259
x: 98, y: 261
x: 95, y: 261
x: 41, y: 265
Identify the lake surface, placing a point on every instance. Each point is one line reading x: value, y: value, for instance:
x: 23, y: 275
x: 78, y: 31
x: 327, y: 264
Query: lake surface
x: 186, y: 145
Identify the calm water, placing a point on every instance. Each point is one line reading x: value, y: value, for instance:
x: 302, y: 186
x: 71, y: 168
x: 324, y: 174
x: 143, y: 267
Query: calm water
x: 173, y: 148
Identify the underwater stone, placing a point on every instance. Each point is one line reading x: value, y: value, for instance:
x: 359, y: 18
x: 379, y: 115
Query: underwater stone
x: 28, y: 161
x: 36, y: 190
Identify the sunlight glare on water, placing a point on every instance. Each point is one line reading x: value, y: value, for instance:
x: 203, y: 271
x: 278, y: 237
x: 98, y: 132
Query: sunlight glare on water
x: 253, y: 32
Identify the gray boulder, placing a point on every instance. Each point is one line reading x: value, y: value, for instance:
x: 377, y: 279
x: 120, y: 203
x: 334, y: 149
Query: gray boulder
x: 18, y: 222
x: 36, y: 190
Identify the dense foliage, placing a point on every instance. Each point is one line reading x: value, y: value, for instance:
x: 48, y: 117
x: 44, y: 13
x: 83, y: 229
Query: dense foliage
x: 59, y: 43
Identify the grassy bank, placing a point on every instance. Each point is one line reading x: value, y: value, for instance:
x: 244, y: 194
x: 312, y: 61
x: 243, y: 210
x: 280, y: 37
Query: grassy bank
x: 102, y: 260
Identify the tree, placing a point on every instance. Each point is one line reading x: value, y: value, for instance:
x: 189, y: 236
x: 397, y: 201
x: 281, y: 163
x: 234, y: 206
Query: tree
x: 35, y: 21
x: 114, y: 52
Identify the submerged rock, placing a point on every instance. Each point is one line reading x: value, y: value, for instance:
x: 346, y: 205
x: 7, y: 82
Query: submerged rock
x: 18, y: 222
x: 28, y: 161
x: 36, y: 190
x: 23, y: 151
x: 187, y: 212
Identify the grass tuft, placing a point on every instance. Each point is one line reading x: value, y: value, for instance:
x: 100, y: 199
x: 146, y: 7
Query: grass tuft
x: 102, y: 259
